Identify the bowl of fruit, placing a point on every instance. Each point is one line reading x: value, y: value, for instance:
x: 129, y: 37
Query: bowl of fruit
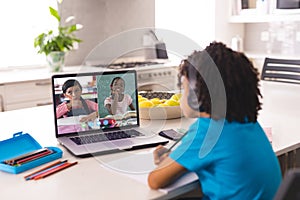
x: 159, y: 105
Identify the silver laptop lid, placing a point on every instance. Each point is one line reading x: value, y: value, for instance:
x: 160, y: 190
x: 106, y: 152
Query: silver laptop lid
x: 79, y: 95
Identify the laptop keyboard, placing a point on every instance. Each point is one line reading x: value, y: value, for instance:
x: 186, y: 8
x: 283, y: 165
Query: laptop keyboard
x: 88, y: 139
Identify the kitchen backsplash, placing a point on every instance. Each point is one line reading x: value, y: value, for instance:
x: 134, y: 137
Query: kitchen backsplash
x: 102, y: 19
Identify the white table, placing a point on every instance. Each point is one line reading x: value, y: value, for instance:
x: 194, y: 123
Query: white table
x: 91, y: 180
x: 281, y: 112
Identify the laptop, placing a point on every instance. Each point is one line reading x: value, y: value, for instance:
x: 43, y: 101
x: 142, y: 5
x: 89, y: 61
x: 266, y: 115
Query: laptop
x: 107, y: 133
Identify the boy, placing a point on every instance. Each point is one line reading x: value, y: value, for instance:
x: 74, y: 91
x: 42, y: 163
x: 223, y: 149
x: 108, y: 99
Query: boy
x: 226, y: 147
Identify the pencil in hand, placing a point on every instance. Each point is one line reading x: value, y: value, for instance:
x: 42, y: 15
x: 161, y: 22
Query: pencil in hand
x: 161, y: 152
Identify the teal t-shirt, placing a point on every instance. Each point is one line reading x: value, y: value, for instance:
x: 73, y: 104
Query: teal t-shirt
x: 232, y: 160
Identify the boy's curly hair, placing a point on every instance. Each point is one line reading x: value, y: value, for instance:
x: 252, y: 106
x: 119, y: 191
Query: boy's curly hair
x: 239, y: 77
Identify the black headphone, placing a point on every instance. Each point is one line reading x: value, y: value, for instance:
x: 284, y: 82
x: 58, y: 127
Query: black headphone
x: 198, y: 58
x: 193, y: 100
x: 201, y: 64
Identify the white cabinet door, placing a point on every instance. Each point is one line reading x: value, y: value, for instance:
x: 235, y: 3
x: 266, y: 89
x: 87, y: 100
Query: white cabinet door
x: 27, y: 94
x: 1, y: 98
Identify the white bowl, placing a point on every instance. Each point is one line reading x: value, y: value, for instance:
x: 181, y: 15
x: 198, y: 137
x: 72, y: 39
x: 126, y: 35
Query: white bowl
x: 166, y: 112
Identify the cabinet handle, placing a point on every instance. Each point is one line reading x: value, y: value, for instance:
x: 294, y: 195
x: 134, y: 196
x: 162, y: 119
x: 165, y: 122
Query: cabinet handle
x: 42, y: 83
x: 44, y: 104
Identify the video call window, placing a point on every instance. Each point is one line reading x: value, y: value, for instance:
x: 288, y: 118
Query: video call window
x: 98, y: 89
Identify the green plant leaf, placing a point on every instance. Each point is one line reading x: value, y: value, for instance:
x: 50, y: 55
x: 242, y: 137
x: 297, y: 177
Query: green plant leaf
x: 61, y: 40
x: 54, y: 13
x: 72, y: 28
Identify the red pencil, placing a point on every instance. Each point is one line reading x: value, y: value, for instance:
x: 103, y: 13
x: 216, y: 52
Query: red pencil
x: 34, y: 157
x: 13, y: 161
x: 57, y: 169
x: 44, y: 169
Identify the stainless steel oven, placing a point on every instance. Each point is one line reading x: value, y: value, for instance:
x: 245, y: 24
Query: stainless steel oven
x: 162, y: 78
x: 151, y: 76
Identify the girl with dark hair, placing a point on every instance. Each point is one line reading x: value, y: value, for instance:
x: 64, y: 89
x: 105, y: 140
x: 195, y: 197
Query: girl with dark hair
x: 118, y: 102
x: 226, y: 146
x: 76, y: 105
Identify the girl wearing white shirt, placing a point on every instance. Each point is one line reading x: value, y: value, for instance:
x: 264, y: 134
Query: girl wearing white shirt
x: 118, y: 102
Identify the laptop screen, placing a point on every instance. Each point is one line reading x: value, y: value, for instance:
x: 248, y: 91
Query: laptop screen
x: 87, y: 102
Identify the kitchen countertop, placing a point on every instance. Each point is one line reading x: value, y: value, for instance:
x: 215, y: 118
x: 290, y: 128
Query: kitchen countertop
x: 28, y: 74
x: 13, y: 75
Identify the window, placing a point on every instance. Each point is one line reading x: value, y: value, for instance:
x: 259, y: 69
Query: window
x: 194, y: 19
x: 21, y: 21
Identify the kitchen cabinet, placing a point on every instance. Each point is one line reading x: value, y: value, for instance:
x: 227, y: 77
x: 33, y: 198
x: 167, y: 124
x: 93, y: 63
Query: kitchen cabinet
x: 25, y: 94
x: 257, y: 18
x: 289, y: 158
x: 1, y: 98
x: 267, y: 32
x: 262, y: 11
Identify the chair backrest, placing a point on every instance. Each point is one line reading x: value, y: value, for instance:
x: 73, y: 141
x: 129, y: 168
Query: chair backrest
x: 281, y: 70
x: 290, y: 186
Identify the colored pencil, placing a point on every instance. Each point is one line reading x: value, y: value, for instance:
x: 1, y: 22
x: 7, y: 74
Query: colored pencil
x: 48, y: 167
x: 45, y: 171
x: 13, y: 161
x: 175, y: 143
x: 54, y: 170
x: 34, y: 157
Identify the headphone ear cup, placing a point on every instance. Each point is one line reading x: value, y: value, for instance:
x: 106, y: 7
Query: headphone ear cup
x: 193, y: 99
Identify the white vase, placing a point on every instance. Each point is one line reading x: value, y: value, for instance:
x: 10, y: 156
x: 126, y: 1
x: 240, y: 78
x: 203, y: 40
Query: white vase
x: 56, y: 61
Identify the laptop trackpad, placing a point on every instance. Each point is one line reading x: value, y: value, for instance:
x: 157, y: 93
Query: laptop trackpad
x: 119, y: 144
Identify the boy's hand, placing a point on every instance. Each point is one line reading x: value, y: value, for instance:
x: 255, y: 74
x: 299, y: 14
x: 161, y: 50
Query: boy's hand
x: 159, y: 154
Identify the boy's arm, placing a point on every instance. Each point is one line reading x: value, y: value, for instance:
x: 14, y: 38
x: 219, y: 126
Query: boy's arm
x: 166, y: 172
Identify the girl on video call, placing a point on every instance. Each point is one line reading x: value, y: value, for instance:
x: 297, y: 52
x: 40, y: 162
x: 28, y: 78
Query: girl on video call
x: 118, y: 102
x: 236, y: 161
x: 76, y: 105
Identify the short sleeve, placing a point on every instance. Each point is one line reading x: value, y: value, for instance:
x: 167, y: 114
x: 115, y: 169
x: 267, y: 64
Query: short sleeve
x: 128, y: 99
x: 187, y: 153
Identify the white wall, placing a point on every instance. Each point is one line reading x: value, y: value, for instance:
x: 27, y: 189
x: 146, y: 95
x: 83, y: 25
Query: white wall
x: 192, y: 18
x: 202, y: 21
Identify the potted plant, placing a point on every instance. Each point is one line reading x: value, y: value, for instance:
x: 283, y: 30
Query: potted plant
x: 54, y: 44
